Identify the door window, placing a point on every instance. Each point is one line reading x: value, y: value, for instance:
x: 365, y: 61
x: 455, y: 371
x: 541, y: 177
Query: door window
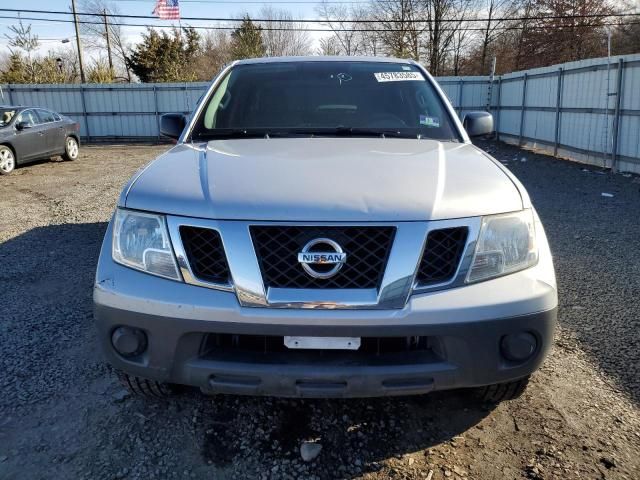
x: 5, y: 116
x: 46, y: 116
x: 29, y: 117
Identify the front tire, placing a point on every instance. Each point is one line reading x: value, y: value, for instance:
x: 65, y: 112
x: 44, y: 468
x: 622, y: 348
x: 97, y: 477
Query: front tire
x: 141, y: 387
x: 7, y: 160
x: 71, y: 149
x: 501, y: 392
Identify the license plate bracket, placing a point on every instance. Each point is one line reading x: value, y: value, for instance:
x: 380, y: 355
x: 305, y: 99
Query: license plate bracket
x: 322, y: 343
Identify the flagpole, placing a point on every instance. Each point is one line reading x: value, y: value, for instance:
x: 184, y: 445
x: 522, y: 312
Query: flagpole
x: 161, y: 10
x: 186, y: 94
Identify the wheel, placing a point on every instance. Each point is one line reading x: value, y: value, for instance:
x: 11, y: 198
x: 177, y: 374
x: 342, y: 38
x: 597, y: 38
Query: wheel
x: 502, y: 391
x: 71, y: 149
x: 142, y: 387
x: 7, y: 160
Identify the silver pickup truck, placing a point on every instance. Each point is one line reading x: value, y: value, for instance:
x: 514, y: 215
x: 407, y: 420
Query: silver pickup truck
x: 325, y: 228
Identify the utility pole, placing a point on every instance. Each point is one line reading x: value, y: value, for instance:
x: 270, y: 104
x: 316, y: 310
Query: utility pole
x: 75, y: 22
x: 106, y: 32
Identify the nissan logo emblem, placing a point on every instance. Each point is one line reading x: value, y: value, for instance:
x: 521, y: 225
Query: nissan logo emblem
x: 333, y: 255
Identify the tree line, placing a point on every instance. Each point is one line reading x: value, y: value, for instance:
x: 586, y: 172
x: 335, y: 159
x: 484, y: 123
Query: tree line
x: 450, y: 37
x: 461, y: 37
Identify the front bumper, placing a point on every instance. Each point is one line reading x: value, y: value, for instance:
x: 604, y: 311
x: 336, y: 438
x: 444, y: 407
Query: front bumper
x: 464, y: 327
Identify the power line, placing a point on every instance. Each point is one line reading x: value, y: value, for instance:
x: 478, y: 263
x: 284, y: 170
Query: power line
x: 40, y: 39
x: 322, y: 21
x: 285, y: 2
x: 326, y: 30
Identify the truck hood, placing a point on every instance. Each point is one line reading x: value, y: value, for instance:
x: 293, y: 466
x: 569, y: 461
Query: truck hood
x: 324, y: 179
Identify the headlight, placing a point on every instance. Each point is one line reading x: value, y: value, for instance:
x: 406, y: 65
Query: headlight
x: 141, y: 241
x: 507, y: 243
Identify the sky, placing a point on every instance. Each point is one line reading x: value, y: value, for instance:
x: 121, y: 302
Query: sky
x: 52, y: 34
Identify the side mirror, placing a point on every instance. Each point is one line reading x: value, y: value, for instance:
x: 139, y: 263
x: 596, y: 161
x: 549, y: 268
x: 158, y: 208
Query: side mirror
x: 172, y: 125
x: 22, y: 125
x: 478, y: 124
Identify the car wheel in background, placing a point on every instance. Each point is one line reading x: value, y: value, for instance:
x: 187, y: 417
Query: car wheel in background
x: 7, y: 160
x: 71, y: 149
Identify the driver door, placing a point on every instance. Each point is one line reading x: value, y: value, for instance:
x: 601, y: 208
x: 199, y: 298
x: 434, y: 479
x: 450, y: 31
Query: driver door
x: 30, y: 143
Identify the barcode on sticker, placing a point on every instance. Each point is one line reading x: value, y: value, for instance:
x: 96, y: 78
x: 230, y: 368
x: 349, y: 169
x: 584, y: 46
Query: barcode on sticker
x: 397, y: 76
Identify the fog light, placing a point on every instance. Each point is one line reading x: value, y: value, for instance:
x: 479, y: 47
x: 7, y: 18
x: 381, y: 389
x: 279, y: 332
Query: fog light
x: 129, y: 342
x: 518, y: 347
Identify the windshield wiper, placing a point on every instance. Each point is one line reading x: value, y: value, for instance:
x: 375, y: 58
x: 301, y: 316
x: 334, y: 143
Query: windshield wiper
x: 227, y: 133
x: 361, y: 132
x: 234, y: 133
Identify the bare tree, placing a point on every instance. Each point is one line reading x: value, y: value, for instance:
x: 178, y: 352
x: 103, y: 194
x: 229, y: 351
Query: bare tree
x: 330, y: 46
x: 536, y: 33
x: 462, y: 39
x: 105, y: 31
x: 338, y: 18
x: 216, y: 52
x: 626, y: 35
x: 369, y: 38
x: 285, y: 36
x: 564, y: 31
x: 526, y: 11
x: 497, y: 13
x: 444, y: 19
x: 430, y: 30
x: 22, y: 39
x: 400, y: 25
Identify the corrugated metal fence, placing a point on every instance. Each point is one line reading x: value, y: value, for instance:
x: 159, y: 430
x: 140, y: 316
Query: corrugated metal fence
x: 587, y: 111
x: 111, y: 112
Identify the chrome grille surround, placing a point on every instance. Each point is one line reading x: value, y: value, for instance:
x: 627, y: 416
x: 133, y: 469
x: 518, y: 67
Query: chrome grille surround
x: 397, y: 284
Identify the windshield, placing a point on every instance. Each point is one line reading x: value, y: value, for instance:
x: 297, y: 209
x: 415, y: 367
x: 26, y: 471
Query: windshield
x: 6, y: 115
x: 325, y: 98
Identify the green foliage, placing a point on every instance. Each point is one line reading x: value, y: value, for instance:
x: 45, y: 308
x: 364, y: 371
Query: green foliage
x: 16, y: 70
x: 163, y: 57
x: 246, y: 40
x: 100, y: 73
x: 40, y: 70
x: 47, y: 71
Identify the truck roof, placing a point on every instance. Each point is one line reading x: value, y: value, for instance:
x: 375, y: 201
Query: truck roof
x: 318, y: 58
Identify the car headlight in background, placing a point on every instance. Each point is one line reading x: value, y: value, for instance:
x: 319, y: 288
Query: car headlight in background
x: 506, y: 244
x: 141, y: 241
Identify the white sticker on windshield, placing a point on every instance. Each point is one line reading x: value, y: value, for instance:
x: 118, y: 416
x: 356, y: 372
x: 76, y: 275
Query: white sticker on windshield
x: 397, y: 76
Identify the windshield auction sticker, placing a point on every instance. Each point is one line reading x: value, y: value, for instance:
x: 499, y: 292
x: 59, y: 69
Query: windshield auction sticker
x: 397, y: 76
x: 429, y: 121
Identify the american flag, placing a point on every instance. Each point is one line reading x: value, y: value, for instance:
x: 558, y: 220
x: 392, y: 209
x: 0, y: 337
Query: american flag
x: 167, y: 9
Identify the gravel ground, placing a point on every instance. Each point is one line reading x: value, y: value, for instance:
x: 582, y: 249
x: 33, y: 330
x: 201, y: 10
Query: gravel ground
x: 63, y: 415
